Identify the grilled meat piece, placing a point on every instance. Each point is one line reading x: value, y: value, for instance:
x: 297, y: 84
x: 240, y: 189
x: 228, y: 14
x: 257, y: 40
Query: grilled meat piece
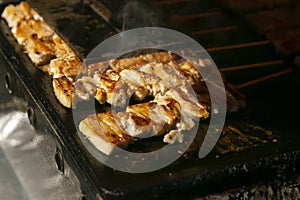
x: 15, y: 14
x: 39, y: 51
x: 166, y: 75
x: 149, y: 119
x: 159, y: 57
x: 25, y: 29
x: 65, y: 66
x: 61, y: 48
x: 127, y: 63
x: 173, y: 136
x: 190, y: 108
x: 85, y: 88
x: 63, y: 89
x: 120, y: 64
x: 104, y: 134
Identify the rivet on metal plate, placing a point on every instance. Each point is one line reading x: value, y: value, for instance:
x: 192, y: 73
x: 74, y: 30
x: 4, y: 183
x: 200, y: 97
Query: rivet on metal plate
x: 31, y: 116
x: 59, y: 160
x: 8, y: 85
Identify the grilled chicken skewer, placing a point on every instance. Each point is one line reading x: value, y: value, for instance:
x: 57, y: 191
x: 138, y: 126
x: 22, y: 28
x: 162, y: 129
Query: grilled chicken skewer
x: 164, y: 115
x: 112, y: 77
x: 44, y: 48
x: 150, y: 79
x: 15, y: 14
x: 170, y: 83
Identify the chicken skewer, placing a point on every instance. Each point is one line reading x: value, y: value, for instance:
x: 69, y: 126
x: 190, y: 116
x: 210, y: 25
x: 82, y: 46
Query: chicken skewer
x: 170, y: 83
x: 44, y: 48
x: 164, y: 115
x: 150, y: 79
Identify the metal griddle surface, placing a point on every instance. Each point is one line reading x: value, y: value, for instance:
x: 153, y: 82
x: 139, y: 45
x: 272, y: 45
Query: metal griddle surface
x: 271, y: 105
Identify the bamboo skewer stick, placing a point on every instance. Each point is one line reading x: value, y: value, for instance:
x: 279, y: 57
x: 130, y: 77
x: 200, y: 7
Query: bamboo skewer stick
x: 164, y: 2
x: 198, y: 15
x: 249, y: 66
x: 235, y: 46
x: 166, y: 44
x: 226, y: 28
x: 271, y: 76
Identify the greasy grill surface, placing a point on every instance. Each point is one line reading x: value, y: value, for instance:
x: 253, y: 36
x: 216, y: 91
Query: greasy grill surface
x: 240, y: 53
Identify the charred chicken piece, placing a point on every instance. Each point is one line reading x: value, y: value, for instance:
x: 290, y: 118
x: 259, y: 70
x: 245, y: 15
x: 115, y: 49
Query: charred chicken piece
x: 63, y: 89
x: 39, y: 51
x: 15, y: 14
x: 101, y: 130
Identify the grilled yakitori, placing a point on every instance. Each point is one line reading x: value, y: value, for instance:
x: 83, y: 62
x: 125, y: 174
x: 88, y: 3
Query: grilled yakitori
x: 179, y: 92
